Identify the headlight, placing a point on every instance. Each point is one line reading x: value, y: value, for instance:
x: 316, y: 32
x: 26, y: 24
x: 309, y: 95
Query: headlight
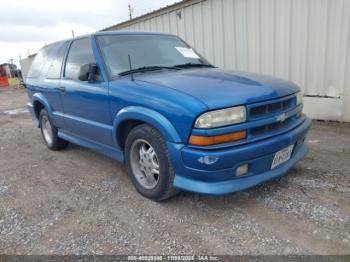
x: 223, y: 117
x: 299, y: 97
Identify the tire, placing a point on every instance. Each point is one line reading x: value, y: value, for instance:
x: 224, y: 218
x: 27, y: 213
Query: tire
x: 49, y: 132
x: 142, y: 162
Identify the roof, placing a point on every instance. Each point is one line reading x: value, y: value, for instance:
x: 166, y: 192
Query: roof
x: 101, y: 33
x: 127, y: 33
x: 158, y: 12
x: 108, y: 33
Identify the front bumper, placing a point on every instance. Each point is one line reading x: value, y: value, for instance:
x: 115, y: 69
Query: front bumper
x: 219, y: 178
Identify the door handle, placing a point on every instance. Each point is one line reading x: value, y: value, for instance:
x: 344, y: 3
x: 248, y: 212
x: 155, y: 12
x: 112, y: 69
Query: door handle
x: 62, y: 89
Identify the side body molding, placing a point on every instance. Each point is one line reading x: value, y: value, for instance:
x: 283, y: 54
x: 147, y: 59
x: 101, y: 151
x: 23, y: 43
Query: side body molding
x: 145, y: 115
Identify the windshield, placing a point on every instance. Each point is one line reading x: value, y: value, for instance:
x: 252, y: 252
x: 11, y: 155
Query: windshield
x: 145, y: 51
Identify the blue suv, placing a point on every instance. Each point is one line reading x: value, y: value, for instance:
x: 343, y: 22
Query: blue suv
x: 177, y: 122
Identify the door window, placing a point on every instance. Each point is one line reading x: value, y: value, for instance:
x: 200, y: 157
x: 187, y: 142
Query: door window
x: 80, y: 53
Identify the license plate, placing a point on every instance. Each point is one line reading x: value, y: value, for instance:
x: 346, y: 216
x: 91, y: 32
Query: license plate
x: 282, y: 156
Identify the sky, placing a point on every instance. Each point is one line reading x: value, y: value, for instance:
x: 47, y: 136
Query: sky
x: 27, y: 25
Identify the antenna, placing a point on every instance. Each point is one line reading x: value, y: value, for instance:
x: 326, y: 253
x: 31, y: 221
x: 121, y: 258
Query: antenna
x: 132, y: 75
x: 130, y: 10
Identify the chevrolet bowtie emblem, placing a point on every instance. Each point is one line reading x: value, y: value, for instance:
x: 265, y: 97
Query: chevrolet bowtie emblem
x: 283, y: 117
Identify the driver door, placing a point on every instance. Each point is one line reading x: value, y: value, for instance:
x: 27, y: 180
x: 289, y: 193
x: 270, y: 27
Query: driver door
x: 85, y: 103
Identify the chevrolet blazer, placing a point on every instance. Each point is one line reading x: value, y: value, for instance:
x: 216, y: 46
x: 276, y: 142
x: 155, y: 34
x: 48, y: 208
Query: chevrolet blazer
x: 178, y: 123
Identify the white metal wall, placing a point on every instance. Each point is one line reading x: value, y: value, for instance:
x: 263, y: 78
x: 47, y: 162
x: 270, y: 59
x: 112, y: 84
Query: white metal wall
x: 306, y: 41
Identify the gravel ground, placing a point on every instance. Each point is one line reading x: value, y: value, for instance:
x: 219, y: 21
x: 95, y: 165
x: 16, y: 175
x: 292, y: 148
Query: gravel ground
x: 79, y: 202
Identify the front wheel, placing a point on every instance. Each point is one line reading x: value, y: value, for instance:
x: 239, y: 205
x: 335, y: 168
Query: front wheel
x: 148, y: 163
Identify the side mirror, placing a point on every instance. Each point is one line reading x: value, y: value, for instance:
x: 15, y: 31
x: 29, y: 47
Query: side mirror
x: 87, y: 72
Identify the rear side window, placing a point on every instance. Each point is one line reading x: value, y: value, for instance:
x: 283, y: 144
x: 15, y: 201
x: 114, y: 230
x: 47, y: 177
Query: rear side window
x: 40, y: 60
x: 80, y: 53
x: 55, y: 61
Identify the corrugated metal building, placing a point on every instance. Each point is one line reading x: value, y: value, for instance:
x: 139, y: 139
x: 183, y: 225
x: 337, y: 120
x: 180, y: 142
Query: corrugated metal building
x: 306, y: 41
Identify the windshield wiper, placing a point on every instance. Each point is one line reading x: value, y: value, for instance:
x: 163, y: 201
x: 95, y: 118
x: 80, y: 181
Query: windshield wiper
x: 146, y: 68
x: 153, y: 68
x: 188, y: 65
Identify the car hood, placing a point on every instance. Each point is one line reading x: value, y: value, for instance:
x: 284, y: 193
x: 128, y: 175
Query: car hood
x: 219, y: 88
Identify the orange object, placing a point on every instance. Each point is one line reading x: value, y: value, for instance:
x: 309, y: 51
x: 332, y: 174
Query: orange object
x: 3, y: 81
x: 212, y: 140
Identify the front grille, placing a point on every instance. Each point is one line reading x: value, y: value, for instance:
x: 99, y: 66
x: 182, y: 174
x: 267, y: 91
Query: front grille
x: 271, y: 127
x: 270, y: 108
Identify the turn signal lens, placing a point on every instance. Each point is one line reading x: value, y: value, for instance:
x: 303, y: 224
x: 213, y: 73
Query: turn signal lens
x: 212, y: 140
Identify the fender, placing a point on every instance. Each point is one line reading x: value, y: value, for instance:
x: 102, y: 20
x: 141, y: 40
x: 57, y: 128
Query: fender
x: 40, y: 98
x: 149, y: 116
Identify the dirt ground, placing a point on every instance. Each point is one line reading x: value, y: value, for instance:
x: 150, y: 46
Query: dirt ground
x: 79, y: 202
